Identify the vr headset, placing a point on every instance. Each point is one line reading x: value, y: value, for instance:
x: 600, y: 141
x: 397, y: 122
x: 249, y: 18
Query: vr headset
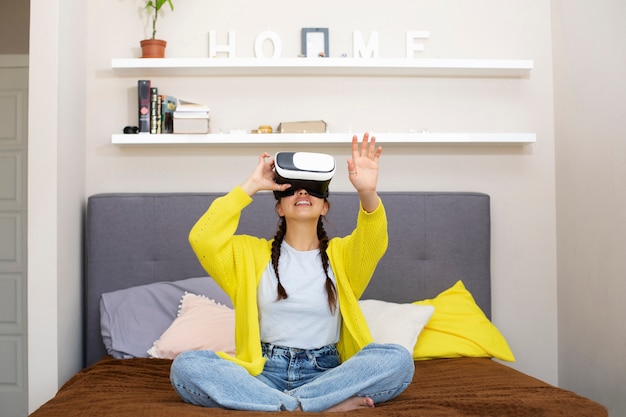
x: 303, y: 170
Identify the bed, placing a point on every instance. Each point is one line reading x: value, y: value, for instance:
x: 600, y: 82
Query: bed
x: 140, y: 268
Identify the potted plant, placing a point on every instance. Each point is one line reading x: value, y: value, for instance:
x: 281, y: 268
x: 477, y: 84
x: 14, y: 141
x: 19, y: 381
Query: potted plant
x: 154, y: 48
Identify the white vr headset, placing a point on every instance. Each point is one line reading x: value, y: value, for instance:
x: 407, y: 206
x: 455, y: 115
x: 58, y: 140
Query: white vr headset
x: 304, y: 170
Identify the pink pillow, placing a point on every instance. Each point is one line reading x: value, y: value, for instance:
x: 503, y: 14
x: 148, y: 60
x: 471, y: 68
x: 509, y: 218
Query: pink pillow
x: 202, y: 324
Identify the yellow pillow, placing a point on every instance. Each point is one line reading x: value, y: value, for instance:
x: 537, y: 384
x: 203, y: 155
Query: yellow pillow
x: 459, y: 328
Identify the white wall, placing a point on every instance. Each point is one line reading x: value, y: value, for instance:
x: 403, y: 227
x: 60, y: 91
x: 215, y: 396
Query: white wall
x: 43, y: 288
x: 56, y: 194
x: 520, y: 180
x: 71, y: 182
x: 591, y: 188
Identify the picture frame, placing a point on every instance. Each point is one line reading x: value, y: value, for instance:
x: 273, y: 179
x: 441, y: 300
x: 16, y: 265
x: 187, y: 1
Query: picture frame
x: 315, y: 42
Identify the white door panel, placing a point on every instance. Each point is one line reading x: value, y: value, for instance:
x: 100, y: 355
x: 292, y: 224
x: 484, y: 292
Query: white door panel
x: 13, y: 222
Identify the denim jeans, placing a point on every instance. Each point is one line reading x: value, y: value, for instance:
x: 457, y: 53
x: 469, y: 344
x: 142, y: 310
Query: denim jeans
x: 311, y: 379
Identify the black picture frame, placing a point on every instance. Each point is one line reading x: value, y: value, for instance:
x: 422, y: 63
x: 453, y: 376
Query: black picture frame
x: 315, y: 42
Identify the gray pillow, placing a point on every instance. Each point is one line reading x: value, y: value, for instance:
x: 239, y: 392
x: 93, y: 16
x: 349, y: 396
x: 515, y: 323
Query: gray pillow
x: 132, y: 319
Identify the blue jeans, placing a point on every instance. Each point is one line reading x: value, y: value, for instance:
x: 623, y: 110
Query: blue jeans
x: 311, y: 379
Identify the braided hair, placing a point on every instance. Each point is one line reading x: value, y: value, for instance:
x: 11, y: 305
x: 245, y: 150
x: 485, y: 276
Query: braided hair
x: 331, y: 291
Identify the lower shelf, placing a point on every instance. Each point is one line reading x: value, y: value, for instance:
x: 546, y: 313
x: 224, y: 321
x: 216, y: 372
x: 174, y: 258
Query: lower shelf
x: 325, y: 138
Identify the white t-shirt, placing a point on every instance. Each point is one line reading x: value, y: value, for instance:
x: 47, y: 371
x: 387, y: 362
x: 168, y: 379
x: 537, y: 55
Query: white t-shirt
x: 303, y: 320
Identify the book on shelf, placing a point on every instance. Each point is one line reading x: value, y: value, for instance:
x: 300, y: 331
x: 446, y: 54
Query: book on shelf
x: 188, y: 106
x: 307, y: 126
x: 143, y: 105
x: 155, y: 111
x: 168, y: 105
x: 159, y: 114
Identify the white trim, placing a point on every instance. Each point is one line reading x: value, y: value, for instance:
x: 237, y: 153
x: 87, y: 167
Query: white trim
x: 13, y: 61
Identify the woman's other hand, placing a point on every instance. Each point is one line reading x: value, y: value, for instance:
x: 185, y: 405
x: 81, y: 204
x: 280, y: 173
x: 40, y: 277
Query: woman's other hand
x: 262, y: 178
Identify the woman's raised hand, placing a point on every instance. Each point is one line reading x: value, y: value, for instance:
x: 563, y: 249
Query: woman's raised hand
x: 363, y: 170
x: 262, y: 178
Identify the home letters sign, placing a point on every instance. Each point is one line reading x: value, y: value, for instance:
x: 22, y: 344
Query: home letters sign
x: 361, y: 48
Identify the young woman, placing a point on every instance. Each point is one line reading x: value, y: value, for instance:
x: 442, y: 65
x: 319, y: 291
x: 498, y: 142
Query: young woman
x: 302, y: 341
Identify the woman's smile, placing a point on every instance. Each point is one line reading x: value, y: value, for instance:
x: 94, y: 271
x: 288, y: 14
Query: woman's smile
x: 303, y: 203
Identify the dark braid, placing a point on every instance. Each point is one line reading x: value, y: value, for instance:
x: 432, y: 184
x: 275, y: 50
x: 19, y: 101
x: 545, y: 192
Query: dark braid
x: 331, y: 290
x: 278, y: 240
x: 330, y: 287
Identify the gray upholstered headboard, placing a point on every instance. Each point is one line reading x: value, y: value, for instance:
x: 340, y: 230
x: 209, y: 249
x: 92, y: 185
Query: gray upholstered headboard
x: 435, y: 239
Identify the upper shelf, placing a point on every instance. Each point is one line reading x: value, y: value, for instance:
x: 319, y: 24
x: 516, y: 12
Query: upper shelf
x: 512, y: 68
x: 326, y: 138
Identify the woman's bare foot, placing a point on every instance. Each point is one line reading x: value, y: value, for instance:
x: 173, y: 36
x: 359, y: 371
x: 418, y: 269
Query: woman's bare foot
x: 350, y: 404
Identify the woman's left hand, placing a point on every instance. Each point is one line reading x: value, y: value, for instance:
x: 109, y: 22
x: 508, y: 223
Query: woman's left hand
x: 363, y: 170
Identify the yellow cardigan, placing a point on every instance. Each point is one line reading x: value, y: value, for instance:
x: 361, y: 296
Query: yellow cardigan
x: 236, y: 262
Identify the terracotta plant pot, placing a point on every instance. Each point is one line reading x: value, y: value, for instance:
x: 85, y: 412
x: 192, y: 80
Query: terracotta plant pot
x: 153, y: 48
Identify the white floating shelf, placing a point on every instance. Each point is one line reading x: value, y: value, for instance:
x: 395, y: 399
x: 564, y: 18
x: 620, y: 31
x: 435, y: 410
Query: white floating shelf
x: 325, y: 138
x: 324, y: 66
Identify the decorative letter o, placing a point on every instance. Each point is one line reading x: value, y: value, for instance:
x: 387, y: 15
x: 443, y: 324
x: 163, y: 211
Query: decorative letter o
x: 260, y: 40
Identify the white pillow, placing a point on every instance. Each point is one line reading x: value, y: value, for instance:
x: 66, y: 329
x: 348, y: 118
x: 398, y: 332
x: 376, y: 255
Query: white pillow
x: 202, y: 324
x: 395, y: 323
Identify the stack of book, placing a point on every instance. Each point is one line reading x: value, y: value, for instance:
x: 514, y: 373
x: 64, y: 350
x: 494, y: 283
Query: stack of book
x: 191, y: 117
x: 307, y: 126
x: 159, y: 113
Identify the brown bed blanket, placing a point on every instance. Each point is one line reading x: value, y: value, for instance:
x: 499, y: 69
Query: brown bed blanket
x: 443, y: 387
